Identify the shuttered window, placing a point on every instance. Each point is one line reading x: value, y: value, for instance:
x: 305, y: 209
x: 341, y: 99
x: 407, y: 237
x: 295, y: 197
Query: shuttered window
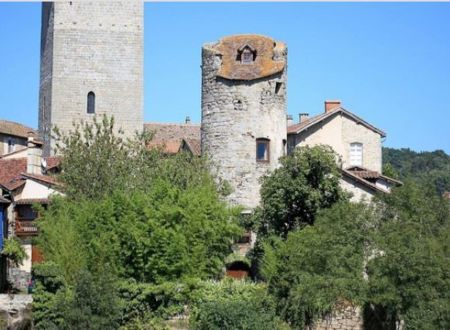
x: 356, y: 154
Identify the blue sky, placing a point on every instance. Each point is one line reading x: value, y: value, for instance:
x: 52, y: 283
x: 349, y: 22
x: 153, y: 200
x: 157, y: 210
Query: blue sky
x: 388, y: 62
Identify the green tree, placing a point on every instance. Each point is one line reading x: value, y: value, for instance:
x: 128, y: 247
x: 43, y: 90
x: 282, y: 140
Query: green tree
x: 291, y: 196
x: 408, y: 277
x: 142, y: 215
x: 320, y: 267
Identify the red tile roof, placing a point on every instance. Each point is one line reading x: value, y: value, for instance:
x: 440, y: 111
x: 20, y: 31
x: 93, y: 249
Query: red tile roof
x: 10, y: 170
x: 368, y: 174
x: 42, y: 178
x: 53, y: 162
x: 297, y: 128
x: 170, y: 136
x: 194, y: 146
x: 16, y: 129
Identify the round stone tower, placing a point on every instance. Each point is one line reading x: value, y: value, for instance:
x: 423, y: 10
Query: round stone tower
x: 244, y: 110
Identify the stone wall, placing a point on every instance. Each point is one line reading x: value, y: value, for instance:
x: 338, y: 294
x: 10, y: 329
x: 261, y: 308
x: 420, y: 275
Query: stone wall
x: 338, y: 131
x: 237, y: 112
x: 91, y: 46
x: 15, y: 311
x: 347, y: 318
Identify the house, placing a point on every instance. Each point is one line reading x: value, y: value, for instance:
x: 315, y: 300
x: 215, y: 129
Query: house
x: 24, y: 182
x: 13, y: 136
x: 173, y: 138
x: 357, y: 143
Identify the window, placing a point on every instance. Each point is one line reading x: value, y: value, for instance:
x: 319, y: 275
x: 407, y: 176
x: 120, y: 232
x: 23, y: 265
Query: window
x: 11, y: 145
x: 262, y: 150
x: 91, y: 102
x: 246, y: 54
x: 356, y: 154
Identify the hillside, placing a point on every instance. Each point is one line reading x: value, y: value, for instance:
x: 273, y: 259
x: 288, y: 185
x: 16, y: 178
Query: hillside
x: 423, y: 167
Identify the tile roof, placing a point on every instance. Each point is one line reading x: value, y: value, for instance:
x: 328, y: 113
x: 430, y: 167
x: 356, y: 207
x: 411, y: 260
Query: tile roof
x: 194, y: 146
x: 42, y: 178
x: 170, y: 136
x: 29, y: 201
x: 297, y: 128
x: 10, y: 170
x: 368, y: 174
x: 16, y: 129
x: 52, y: 162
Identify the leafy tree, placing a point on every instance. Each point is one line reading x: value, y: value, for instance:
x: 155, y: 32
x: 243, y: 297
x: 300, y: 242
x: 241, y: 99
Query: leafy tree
x: 14, y: 251
x: 142, y: 215
x: 320, y: 267
x: 291, y: 196
x: 422, y: 167
x: 408, y: 277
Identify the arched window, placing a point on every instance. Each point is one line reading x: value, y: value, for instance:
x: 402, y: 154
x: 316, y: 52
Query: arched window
x: 91, y: 102
x: 356, y: 154
x: 262, y: 150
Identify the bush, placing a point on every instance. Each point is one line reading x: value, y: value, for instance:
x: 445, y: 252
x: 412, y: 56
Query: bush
x: 233, y: 305
x: 14, y: 251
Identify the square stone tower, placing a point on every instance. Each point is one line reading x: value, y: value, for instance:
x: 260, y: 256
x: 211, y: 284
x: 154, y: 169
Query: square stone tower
x: 91, y: 64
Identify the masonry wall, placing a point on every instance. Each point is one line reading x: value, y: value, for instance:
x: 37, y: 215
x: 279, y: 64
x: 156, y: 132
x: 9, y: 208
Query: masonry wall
x: 91, y: 46
x: 234, y: 114
x: 339, y: 131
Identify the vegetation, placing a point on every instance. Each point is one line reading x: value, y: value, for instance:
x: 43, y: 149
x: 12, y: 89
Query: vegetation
x: 165, y: 224
x: 421, y: 167
x: 141, y: 237
x: 14, y: 251
x: 291, y: 196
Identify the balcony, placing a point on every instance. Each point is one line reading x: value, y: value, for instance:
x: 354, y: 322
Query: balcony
x: 26, y: 228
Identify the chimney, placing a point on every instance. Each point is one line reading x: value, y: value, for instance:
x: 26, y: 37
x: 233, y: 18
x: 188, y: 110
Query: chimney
x: 289, y: 120
x: 302, y: 117
x: 332, y: 104
x: 188, y: 120
x: 34, y: 155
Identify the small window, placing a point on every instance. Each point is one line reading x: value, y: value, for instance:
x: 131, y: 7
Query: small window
x: 91, y: 102
x: 356, y: 154
x: 277, y: 87
x: 11, y: 145
x: 262, y: 150
x: 246, y: 54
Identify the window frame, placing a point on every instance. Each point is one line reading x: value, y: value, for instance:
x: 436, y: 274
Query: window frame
x: 266, y: 142
x: 90, y: 106
x: 356, y: 154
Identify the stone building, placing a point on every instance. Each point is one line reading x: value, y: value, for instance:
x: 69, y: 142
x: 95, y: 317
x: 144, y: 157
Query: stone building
x: 357, y: 143
x: 244, y: 110
x: 91, y: 63
x: 13, y: 137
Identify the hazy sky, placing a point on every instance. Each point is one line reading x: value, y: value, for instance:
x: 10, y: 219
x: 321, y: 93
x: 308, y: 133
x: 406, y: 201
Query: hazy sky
x: 388, y: 62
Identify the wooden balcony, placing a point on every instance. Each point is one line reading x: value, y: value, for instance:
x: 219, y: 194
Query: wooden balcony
x: 26, y: 227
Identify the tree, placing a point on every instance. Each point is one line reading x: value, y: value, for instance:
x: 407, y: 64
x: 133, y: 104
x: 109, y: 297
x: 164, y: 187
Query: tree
x: 408, y: 277
x: 291, y: 196
x: 139, y: 214
x: 320, y: 267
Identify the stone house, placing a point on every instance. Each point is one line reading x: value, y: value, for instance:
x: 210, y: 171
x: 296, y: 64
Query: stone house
x: 357, y: 143
x: 24, y: 182
x: 13, y: 136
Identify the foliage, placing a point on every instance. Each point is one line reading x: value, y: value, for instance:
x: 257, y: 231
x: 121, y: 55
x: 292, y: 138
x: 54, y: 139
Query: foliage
x: 421, y: 167
x: 234, y: 305
x: 291, y: 196
x: 320, y: 266
x: 14, y: 251
x: 153, y: 223
x: 408, y: 278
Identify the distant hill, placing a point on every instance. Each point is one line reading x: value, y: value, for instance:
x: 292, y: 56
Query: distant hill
x: 423, y: 167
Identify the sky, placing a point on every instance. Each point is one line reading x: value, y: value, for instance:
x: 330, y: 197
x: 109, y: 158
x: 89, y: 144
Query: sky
x: 388, y: 63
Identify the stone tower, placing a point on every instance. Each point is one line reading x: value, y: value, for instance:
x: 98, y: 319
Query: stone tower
x: 91, y: 64
x: 244, y: 110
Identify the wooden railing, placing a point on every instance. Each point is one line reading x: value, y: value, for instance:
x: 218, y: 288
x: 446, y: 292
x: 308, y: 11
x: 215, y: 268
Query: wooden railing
x: 26, y: 228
